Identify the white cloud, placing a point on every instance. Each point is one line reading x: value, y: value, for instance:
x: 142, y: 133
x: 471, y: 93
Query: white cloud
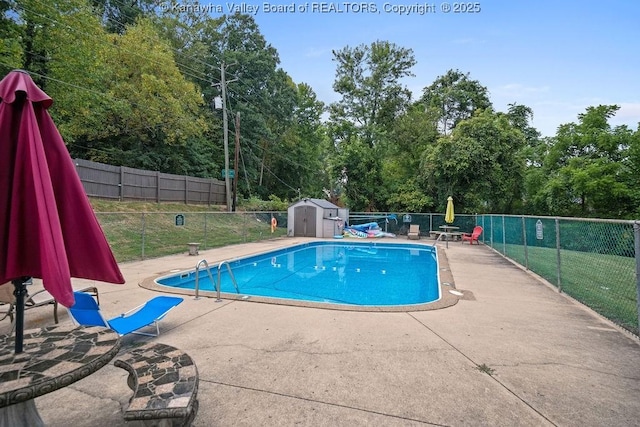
x: 629, y: 111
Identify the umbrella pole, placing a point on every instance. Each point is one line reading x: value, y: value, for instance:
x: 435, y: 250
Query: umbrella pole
x: 20, y: 292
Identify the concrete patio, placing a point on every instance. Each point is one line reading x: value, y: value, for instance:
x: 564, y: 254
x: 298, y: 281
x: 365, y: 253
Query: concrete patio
x: 512, y: 351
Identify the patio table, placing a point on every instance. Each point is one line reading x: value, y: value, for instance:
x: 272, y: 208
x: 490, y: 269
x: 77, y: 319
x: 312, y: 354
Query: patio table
x: 53, y: 357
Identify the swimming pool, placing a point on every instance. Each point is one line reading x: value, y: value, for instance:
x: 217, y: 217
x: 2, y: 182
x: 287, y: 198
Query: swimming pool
x: 362, y: 274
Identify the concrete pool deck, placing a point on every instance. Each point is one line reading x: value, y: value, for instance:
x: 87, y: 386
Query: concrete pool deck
x: 512, y: 351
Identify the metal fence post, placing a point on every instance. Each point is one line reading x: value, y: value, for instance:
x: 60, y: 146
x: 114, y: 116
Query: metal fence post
x: 491, y: 235
x: 636, y: 237
x: 504, y: 237
x: 143, y: 233
x: 524, y: 240
x: 558, y: 251
x: 205, y: 230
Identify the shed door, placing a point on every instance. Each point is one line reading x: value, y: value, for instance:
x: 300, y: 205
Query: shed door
x: 305, y: 221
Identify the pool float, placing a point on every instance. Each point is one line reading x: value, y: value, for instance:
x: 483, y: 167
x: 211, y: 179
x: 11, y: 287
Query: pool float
x: 350, y: 232
x: 366, y: 227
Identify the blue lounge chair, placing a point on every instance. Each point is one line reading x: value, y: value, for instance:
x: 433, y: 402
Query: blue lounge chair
x: 86, y: 312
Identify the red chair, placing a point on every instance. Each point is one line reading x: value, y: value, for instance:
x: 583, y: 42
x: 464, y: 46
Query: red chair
x: 475, y: 234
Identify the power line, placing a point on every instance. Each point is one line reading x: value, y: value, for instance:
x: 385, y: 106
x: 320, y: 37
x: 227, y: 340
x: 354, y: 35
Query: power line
x: 105, y: 42
x: 199, y: 77
x: 103, y: 95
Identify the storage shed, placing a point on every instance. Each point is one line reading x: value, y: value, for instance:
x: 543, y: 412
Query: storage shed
x: 315, y: 218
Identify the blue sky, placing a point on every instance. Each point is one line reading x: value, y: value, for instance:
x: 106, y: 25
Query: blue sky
x: 557, y: 57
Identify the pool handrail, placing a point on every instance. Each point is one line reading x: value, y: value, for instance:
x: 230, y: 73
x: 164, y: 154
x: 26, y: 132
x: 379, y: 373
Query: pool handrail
x: 233, y: 279
x: 437, y: 239
x: 197, y: 285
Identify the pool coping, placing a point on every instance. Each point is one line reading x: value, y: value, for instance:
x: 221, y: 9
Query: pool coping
x: 447, y: 298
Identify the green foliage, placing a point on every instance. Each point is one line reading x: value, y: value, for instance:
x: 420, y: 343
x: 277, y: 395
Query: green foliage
x: 479, y: 165
x: 300, y: 152
x: 134, y: 85
x: 274, y: 204
x: 361, y: 169
x: 116, y: 15
x: 408, y: 197
x: 586, y: 167
x: 631, y: 173
x: 368, y: 79
x: 151, y: 109
x: 159, y: 101
x: 280, y: 130
x: 10, y: 48
x: 454, y: 97
x: 412, y: 134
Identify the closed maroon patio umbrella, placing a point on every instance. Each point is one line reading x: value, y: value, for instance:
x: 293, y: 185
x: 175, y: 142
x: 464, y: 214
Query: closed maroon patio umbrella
x: 47, y: 226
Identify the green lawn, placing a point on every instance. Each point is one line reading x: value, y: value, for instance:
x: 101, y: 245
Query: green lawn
x: 137, y: 230
x: 606, y: 283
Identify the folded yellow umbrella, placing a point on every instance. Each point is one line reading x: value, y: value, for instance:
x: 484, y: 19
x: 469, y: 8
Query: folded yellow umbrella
x: 449, y: 215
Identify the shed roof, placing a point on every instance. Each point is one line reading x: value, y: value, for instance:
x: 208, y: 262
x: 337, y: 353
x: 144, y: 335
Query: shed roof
x: 325, y: 204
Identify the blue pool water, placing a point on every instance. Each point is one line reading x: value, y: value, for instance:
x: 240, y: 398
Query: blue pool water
x: 366, y: 274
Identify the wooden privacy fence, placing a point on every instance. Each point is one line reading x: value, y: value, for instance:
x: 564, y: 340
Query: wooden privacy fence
x: 123, y: 183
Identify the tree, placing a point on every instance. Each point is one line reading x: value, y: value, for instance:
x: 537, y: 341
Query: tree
x: 586, y: 167
x: 413, y: 134
x: 10, y: 36
x: 519, y: 116
x: 368, y: 79
x: 631, y: 173
x: 300, y: 155
x: 118, y: 98
x: 360, y: 174
x: 76, y: 76
x: 454, y: 97
x: 263, y: 94
x: 533, y: 152
x: 34, y: 21
x: 478, y: 164
x: 152, y: 107
x: 117, y: 15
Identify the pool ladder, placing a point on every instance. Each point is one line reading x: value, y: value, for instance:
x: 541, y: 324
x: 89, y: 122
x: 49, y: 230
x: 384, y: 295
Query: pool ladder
x: 206, y: 264
x: 438, y: 239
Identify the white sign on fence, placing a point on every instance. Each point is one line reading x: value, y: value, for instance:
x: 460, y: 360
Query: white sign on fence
x: 539, y: 234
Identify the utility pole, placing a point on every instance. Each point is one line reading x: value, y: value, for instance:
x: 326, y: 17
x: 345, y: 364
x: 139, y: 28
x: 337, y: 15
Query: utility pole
x: 235, y: 162
x: 225, y: 131
x: 225, y: 126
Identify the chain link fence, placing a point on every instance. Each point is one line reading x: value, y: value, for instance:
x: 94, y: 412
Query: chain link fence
x: 136, y: 235
x: 140, y: 235
x: 594, y: 261
x: 399, y: 223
